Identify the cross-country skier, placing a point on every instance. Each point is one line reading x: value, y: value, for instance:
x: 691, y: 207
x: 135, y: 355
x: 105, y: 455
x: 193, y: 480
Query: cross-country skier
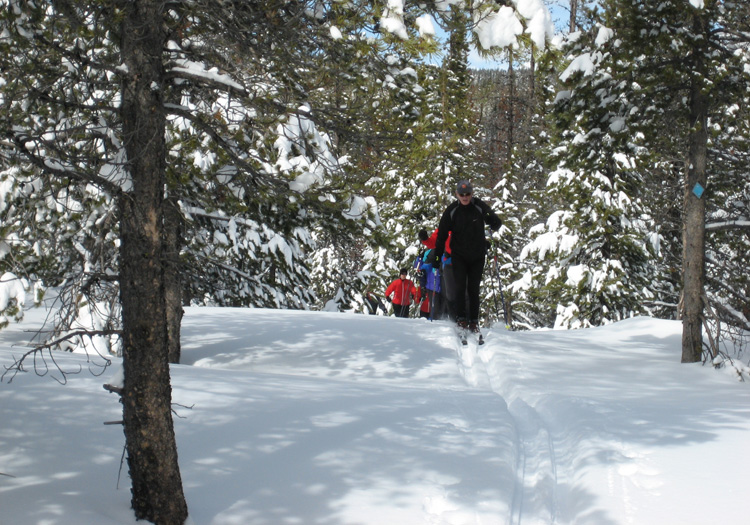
x: 373, y: 303
x: 446, y: 299
x: 465, y: 218
x: 404, y: 293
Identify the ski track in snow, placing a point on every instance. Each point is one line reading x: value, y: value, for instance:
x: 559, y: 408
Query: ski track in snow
x: 574, y: 452
x: 311, y: 418
x: 535, y: 486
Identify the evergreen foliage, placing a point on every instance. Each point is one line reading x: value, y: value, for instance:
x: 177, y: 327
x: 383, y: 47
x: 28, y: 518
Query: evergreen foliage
x: 591, y: 256
x: 299, y: 175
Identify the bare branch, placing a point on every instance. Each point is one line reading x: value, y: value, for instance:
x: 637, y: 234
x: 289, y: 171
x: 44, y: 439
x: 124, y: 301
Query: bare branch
x: 40, y: 365
x: 114, y: 389
x: 77, y: 333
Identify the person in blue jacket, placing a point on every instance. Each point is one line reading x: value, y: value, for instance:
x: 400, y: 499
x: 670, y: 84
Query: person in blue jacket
x: 429, y: 283
x: 465, y: 219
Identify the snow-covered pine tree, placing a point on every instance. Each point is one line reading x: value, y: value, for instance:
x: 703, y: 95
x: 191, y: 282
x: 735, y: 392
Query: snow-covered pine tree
x: 686, y: 67
x: 728, y: 196
x: 593, y: 260
x: 515, y: 134
x: 60, y: 220
x: 381, y: 142
x: 85, y: 83
x: 400, y: 177
x: 259, y: 206
x: 81, y: 99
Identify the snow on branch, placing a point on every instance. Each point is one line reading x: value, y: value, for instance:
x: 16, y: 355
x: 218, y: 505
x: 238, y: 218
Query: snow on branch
x: 57, y: 168
x: 728, y: 225
x: 209, y: 130
x: 502, y: 28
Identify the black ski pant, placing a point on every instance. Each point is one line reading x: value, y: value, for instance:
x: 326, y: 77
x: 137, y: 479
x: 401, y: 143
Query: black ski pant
x: 401, y: 310
x: 467, y: 276
x: 448, y: 292
x: 435, y: 301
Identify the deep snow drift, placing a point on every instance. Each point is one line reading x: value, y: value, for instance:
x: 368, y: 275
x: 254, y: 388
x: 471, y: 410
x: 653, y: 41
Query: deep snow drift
x: 321, y: 418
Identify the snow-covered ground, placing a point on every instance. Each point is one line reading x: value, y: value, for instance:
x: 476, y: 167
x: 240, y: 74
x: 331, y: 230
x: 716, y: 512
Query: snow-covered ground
x: 324, y: 418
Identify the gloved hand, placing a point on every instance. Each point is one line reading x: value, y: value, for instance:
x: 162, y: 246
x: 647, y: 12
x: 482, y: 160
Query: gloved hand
x: 388, y: 298
x: 432, y: 258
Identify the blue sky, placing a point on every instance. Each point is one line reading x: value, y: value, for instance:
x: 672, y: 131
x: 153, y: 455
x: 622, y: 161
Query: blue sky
x: 560, y: 12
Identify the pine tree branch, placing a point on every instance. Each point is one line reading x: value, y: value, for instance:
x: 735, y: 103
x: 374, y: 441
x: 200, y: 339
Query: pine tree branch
x: 56, y: 168
x: 209, y: 130
x: 736, y: 224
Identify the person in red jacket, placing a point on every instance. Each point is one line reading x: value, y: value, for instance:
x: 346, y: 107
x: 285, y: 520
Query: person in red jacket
x: 404, y: 293
x: 429, y: 241
x: 447, y: 299
x: 423, y: 300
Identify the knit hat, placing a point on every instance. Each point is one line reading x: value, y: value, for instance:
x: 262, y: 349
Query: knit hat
x: 423, y: 236
x: 403, y: 271
x: 464, y: 186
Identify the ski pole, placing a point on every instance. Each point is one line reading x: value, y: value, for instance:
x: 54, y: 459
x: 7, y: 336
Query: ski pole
x: 432, y: 296
x: 494, y: 288
x: 494, y: 295
x: 500, y: 286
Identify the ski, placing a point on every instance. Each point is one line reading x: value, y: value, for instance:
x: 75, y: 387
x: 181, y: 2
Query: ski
x: 478, y: 336
x: 474, y: 329
x: 463, y: 336
x: 461, y: 333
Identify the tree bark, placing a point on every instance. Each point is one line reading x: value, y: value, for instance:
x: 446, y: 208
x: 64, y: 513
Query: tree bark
x: 573, y: 15
x: 511, y: 107
x: 694, y: 228
x: 157, y: 494
x: 173, y: 278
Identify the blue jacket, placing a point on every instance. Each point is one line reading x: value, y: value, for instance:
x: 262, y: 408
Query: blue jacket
x: 431, y: 276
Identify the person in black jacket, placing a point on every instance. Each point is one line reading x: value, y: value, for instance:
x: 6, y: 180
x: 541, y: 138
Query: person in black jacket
x: 465, y: 218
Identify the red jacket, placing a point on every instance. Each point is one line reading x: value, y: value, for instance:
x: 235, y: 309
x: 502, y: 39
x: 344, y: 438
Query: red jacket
x: 425, y: 304
x: 432, y: 240
x: 404, y: 291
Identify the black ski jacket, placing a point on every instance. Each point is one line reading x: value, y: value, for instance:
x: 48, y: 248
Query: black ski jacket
x: 467, y: 226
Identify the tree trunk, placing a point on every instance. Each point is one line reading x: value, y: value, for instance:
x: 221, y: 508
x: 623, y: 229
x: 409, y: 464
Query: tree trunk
x: 694, y: 229
x: 173, y: 278
x: 573, y: 15
x: 532, y: 78
x: 511, y: 107
x: 157, y: 494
